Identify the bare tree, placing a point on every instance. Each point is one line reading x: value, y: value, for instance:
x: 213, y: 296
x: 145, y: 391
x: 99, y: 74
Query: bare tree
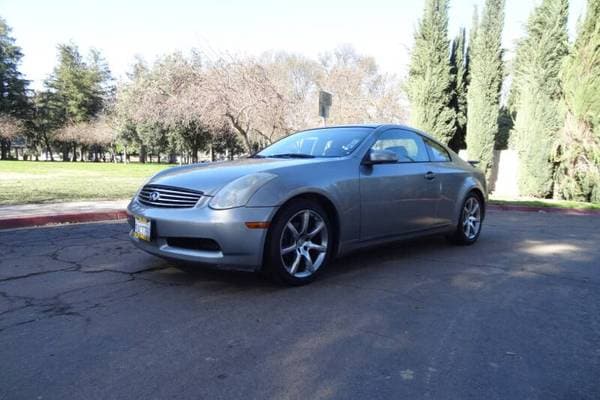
x: 361, y: 93
x: 187, y: 103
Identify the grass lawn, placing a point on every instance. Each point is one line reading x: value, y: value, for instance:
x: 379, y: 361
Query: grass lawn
x: 24, y: 182
x: 531, y: 202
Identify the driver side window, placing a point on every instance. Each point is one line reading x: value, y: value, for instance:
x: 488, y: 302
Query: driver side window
x: 407, y: 145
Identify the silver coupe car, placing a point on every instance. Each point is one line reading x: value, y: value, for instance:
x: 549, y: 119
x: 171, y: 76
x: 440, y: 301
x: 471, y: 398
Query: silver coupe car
x: 314, y: 195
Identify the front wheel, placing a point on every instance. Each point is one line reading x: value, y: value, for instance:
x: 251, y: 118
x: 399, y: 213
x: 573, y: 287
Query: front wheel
x: 469, y: 224
x: 300, y: 243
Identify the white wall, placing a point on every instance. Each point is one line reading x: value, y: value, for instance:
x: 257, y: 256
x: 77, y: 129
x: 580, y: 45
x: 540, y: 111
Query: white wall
x: 504, y: 174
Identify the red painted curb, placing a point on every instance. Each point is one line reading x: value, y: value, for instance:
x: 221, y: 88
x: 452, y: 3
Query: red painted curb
x: 39, y: 220
x: 554, y: 210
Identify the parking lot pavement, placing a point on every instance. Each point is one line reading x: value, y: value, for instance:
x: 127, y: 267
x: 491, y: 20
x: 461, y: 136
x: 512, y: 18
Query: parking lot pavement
x: 84, y: 315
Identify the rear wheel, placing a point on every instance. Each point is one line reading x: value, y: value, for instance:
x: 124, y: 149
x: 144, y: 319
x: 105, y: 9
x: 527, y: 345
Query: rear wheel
x: 300, y: 243
x: 469, y: 224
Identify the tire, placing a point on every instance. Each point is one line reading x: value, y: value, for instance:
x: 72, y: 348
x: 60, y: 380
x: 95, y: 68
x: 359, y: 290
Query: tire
x: 299, y: 244
x: 470, y: 221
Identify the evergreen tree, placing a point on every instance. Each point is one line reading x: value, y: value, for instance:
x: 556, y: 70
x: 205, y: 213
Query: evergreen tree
x: 483, y: 96
x: 458, y: 63
x: 80, y: 88
x: 77, y: 90
x: 13, y: 88
x: 429, y: 80
x: 536, y: 95
x: 472, y: 37
x: 43, y: 122
x: 577, y: 152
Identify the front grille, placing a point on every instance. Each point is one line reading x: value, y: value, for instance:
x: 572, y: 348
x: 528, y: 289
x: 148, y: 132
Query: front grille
x: 167, y: 196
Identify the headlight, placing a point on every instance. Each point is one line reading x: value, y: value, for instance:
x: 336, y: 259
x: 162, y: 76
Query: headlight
x: 238, y: 192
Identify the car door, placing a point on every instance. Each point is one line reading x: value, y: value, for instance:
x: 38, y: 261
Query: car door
x: 450, y: 178
x: 401, y: 197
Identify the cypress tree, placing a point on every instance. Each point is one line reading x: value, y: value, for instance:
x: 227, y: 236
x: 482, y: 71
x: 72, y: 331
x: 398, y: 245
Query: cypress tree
x: 577, y: 152
x: 429, y: 78
x: 537, y: 93
x: 458, y: 63
x: 483, y: 96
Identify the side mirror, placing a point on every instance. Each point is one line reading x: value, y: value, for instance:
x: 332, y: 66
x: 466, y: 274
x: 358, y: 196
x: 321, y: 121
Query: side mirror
x: 381, y: 157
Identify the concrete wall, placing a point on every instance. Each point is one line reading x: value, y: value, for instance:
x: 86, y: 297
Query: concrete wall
x: 504, y: 174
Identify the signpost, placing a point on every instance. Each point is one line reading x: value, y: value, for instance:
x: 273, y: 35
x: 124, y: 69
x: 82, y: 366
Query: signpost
x: 325, y: 99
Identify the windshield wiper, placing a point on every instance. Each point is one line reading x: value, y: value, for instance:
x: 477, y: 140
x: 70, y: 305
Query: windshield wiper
x: 291, y: 155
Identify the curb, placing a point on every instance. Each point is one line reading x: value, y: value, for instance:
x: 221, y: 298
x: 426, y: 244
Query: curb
x: 40, y: 220
x: 553, y: 210
x: 110, y: 215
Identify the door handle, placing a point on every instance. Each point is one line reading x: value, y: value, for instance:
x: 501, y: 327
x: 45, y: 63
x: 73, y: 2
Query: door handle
x: 429, y: 176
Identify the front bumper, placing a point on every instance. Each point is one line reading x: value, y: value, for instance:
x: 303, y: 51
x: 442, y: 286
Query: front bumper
x: 238, y: 246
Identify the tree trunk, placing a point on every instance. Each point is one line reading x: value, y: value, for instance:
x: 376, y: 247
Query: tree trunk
x: 5, y: 149
x: 143, y: 154
x: 65, y: 152
x: 48, y: 147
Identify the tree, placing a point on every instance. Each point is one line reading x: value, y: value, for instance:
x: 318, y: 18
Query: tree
x: 94, y: 136
x: 577, y: 150
x: 14, y: 103
x: 10, y: 127
x: 458, y: 69
x: 168, y: 107
x: 79, y: 89
x: 43, y: 121
x: 186, y: 105
x: 247, y: 96
x: 429, y: 76
x: 485, y: 81
x: 537, y: 95
x: 361, y: 93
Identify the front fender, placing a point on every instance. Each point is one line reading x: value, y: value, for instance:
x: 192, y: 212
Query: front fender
x: 342, y: 192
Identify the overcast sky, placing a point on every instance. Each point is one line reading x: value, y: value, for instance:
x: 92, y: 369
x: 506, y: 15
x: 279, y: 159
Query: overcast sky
x: 122, y: 29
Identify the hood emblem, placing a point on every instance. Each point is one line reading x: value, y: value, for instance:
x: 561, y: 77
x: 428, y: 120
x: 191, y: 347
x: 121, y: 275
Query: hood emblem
x: 154, y: 196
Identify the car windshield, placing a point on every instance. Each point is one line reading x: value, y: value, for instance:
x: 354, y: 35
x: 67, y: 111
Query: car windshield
x: 332, y: 142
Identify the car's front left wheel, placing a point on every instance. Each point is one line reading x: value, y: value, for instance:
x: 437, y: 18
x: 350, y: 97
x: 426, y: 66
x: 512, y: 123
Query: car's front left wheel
x: 300, y: 243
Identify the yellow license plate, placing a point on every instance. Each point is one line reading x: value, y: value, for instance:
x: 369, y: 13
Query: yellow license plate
x: 142, y: 228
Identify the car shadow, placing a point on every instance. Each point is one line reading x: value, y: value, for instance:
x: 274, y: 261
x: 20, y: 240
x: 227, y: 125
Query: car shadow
x: 363, y: 259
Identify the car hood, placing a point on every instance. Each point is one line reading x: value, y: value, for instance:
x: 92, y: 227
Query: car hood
x: 210, y: 177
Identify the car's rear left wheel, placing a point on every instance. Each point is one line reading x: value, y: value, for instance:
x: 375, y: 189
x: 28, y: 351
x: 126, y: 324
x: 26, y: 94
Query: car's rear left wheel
x: 300, y: 243
x: 469, y: 224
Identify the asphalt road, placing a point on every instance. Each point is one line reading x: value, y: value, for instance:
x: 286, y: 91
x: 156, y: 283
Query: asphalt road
x: 84, y: 315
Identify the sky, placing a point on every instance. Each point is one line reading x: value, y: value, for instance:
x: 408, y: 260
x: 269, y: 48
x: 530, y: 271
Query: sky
x: 124, y: 29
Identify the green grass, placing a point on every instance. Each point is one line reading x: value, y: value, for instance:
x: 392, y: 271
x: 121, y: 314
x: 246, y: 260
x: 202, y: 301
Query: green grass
x: 531, y: 202
x: 23, y: 182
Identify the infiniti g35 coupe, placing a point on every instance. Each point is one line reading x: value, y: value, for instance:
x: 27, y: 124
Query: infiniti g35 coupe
x: 314, y: 195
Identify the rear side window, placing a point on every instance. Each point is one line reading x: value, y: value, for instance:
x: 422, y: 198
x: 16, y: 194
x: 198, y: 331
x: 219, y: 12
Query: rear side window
x: 407, y: 145
x: 436, y: 151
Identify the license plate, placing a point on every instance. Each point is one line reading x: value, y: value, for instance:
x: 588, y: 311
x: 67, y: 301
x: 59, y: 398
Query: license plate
x: 142, y: 228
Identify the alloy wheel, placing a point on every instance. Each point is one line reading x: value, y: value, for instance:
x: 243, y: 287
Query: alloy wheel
x: 471, y: 222
x: 303, y: 243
